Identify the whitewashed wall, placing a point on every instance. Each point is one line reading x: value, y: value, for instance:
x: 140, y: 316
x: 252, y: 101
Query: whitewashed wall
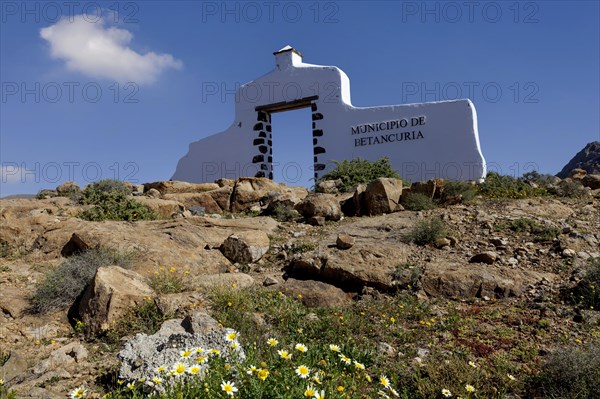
x: 444, y: 141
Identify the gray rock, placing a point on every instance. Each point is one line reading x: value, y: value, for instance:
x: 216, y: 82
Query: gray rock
x: 143, y: 355
x: 200, y: 323
x: 568, y: 253
x: 325, y: 205
x: 15, y: 365
x: 246, y: 246
x: 386, y: 349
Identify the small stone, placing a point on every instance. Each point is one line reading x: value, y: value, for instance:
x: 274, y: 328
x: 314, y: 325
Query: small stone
x: 568, y: 253
x: 512, y: 261
x: 344, y: 241
x: 442, y: 242
x: 386, y: 349
x: 453, y: 240
x: 583, y: 255
x: 317, y: 221
x: 488, y: 257
x: 268, y: 281
x: 498, y: 242
x: 153, y: 193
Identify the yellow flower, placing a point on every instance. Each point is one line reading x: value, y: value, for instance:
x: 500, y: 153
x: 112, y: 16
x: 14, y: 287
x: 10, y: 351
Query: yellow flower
x: 345, y: 358
x: 232, y: 336
x: 193, y: 370
x: 284, y: 354
x: 179, y: 368
x: 359, y: 366
x: 79, y: 392
x: 340, y: 388
x: 252, y: 370
x: 310, y: 392
x: 37, y: 342
x: 235, y: 345
x: 228, y: 387
x: 472, y: 364
x: 201, y: 359
x: 214, y: 351
x: 131, y: 386
x: 368, y: 377
x: 299, y: 296
x: 156, y: 380
x: 301, y: 347
x: 392, y: 319
x: 470, y: 388
x: 511, y: 377
x: 172, y: 269
x: 334, y: 348
x: 272, y: 342
x: 198, y: 350
x: 263, y: 374
x: 185, y: 354
x: 383, y: 380
x: 302, y: 371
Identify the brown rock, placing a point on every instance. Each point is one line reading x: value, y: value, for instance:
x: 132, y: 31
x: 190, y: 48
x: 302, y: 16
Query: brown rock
x: 180, y: 302
x: 358, y: 199
x: 152, y: 193
x: 66, y: 188
x: 488, y: 257
x: 382, y: 195
x: 200, y: 323
x: 111, y: 295
x: 14, y: 366
x: 172, y: 187
x: 471, y: 280
x: 225, y: 280
x: 577, y: 173
x: 317, y: 221
x: 591, y: 181
x: 62, y: 358
x: 316, y: 204
x: 258, y: 191
x: 246, y: 247
x: 164, y: 209
x: 344, y: 241
x: 14, y: 301
x: 442, y: 242
x: 316, y: 293
x: 328, y: 186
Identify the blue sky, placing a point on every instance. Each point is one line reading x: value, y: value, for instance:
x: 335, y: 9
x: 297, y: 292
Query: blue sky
x: 129, y: 105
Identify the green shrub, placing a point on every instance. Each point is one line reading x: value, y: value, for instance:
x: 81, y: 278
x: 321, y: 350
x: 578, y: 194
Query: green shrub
x: 146, y: 318
x: 168, y: 281
x: 427, y: 231
x: 570, y: 189
x: 111, y: 202
x: 284, y: 213
x: 63, y: 284
x: 458, y: 192
x: 357, y: 171
x: 570, y: 373
x: 417, y: 202
x: 540, y: 232
x: 587, y: 292
x: 42, y: 194
x: 498, y: 186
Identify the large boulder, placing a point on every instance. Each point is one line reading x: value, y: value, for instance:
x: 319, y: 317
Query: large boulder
x: 111, y: 295
x: 215, y: 201
x: 173, y: 187
x: 450, y: 279
x: 382, y: 195
x: 143, y: 355
x: 325, y: 205
x: 315, y: 294
x: 591, y: 181
x: 246, y: 246
x: 163, y: 208
x: 250, y: 192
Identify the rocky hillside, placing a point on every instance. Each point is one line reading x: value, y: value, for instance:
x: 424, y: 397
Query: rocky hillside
x: 511, y: 258
x: 587, y: 159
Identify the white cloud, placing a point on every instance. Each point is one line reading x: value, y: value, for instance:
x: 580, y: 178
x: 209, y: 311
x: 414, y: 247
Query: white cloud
x: 102, y: 52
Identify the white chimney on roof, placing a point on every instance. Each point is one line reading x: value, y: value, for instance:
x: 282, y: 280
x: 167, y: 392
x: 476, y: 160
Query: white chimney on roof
x: 287, y: 56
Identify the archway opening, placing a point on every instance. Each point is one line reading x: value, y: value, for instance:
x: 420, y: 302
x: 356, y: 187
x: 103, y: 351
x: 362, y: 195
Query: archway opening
x: 293, y: 159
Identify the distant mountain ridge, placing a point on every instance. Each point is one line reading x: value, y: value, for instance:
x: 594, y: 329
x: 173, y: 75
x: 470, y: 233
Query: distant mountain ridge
x: 587, y: 159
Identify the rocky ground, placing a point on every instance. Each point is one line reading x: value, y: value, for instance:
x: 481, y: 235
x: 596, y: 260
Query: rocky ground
x: 212, y: 234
